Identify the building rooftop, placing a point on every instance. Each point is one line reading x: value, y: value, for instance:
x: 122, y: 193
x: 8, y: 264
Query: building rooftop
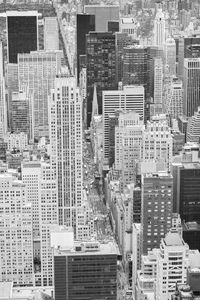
x: 90, y: 248
x: 173, y: 239
x: 190, y: 226
x: 6, y: 290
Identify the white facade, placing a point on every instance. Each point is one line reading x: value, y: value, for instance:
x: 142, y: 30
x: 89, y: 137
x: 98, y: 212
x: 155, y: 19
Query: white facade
x: 174, y: 98
x: 159, y: 29
x: 173, y: 261
x: 129, y: 25
x: 129, y: 98
x: 158, y: 85
x: 193, y: 128
x: 128, y: 144
x: 16, y: 244
x: 158, y: 143
x: 66, y: 147
x: 51, y: 34
x: 17, y: 140
x: 170, y: 55
x: 37, y: 72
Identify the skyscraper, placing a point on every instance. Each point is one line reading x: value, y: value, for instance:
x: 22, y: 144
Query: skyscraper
x: 129, y: 98
x: 191, y: 84
x: 100, y: 48
x: 173, y: 98
x: 66, y: 147
x: 22, y: 31
x: 159, y: 29
x: 193, y: 129
x: 103, y: 14
x: 158, y: 86
x: 51, y: 34
x: 157, y: 205
x: 16, y: 251
x: 37, y: 72
x: 170, y: 55
x: 85, y: 23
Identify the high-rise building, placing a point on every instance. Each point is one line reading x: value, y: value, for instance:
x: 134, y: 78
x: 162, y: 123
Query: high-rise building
x: 84, y: 24
x: 158, y: 86
x: 135, y: 66
x: 66, y: 147
x: 159, y: 29
x: 170, y: 55
x: 158, y: 143
x: 157, y: 205
x: 16, y: 251
x: 173, y: 98
x: 191, y: 83
x: 186, y: 175
x: 22, y: 113
x: 129, y: 98
x: 172, y: 265
x: 121, y: 40
x: 22, y: 33
x: 129, y: 25
x: 95, y: 266
x: 3, y: 105
x: 103, y: 14
x: 128, y: 144
x: 51, y: 34
x: 100, y: 51
x: 193, y: 128
x: 12, y: 86
x: 37, y: 72
x: 136, y: 251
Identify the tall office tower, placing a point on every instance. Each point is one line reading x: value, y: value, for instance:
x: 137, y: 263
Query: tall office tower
x: 100, y: 48
x: 158, y: 143
x: 66, y: 147
x: 129, y: 98
x: 95, y: 266
x: 51, y: 34
x: 37, y: 72
x: 158, y: 85
x: 172, y: 265
x: 12, y: 86
x: 135, y: 66
x: 159, y: 29
x: 22, y: 33
x: 121, y: 40
x: 22, y: 113
x: 186, y: 175
x: 128, y: 144
x: 84, y: 24
x: 129, y: 25
x: 103, y: 14
x: 40, y: 181
x: 173, y: 98
x: 170, y: 55
x: 157, y: 205
x: 191, y: 84
x: 188, y: 47
x: 16, y: 251
x: 3, y: 108
x: 193, y: 129
x: 136, y: 251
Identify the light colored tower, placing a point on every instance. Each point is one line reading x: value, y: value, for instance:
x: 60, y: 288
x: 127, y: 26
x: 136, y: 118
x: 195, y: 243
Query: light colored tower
x: 157, y: 143
x: 51, y: 38
x: 66, y: 147
x: 37, y: 72
x: 170, y: 55
x: 128, y: 144
x: 3, y: 110
x: 174, y: 98
x: 193, y: 129
x: 159, y: 29
x: 129, y: 98
x: 191, y: 84
x: 16, y: 244
x: 158, y: 85
x: 172, y: 264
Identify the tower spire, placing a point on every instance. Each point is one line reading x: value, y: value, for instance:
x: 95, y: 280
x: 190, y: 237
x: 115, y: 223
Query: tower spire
x: 95, y: 110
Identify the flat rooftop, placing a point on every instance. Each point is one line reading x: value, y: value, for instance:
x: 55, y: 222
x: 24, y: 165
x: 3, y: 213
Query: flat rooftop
x: 107, y: 248
x: 6, y: 290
